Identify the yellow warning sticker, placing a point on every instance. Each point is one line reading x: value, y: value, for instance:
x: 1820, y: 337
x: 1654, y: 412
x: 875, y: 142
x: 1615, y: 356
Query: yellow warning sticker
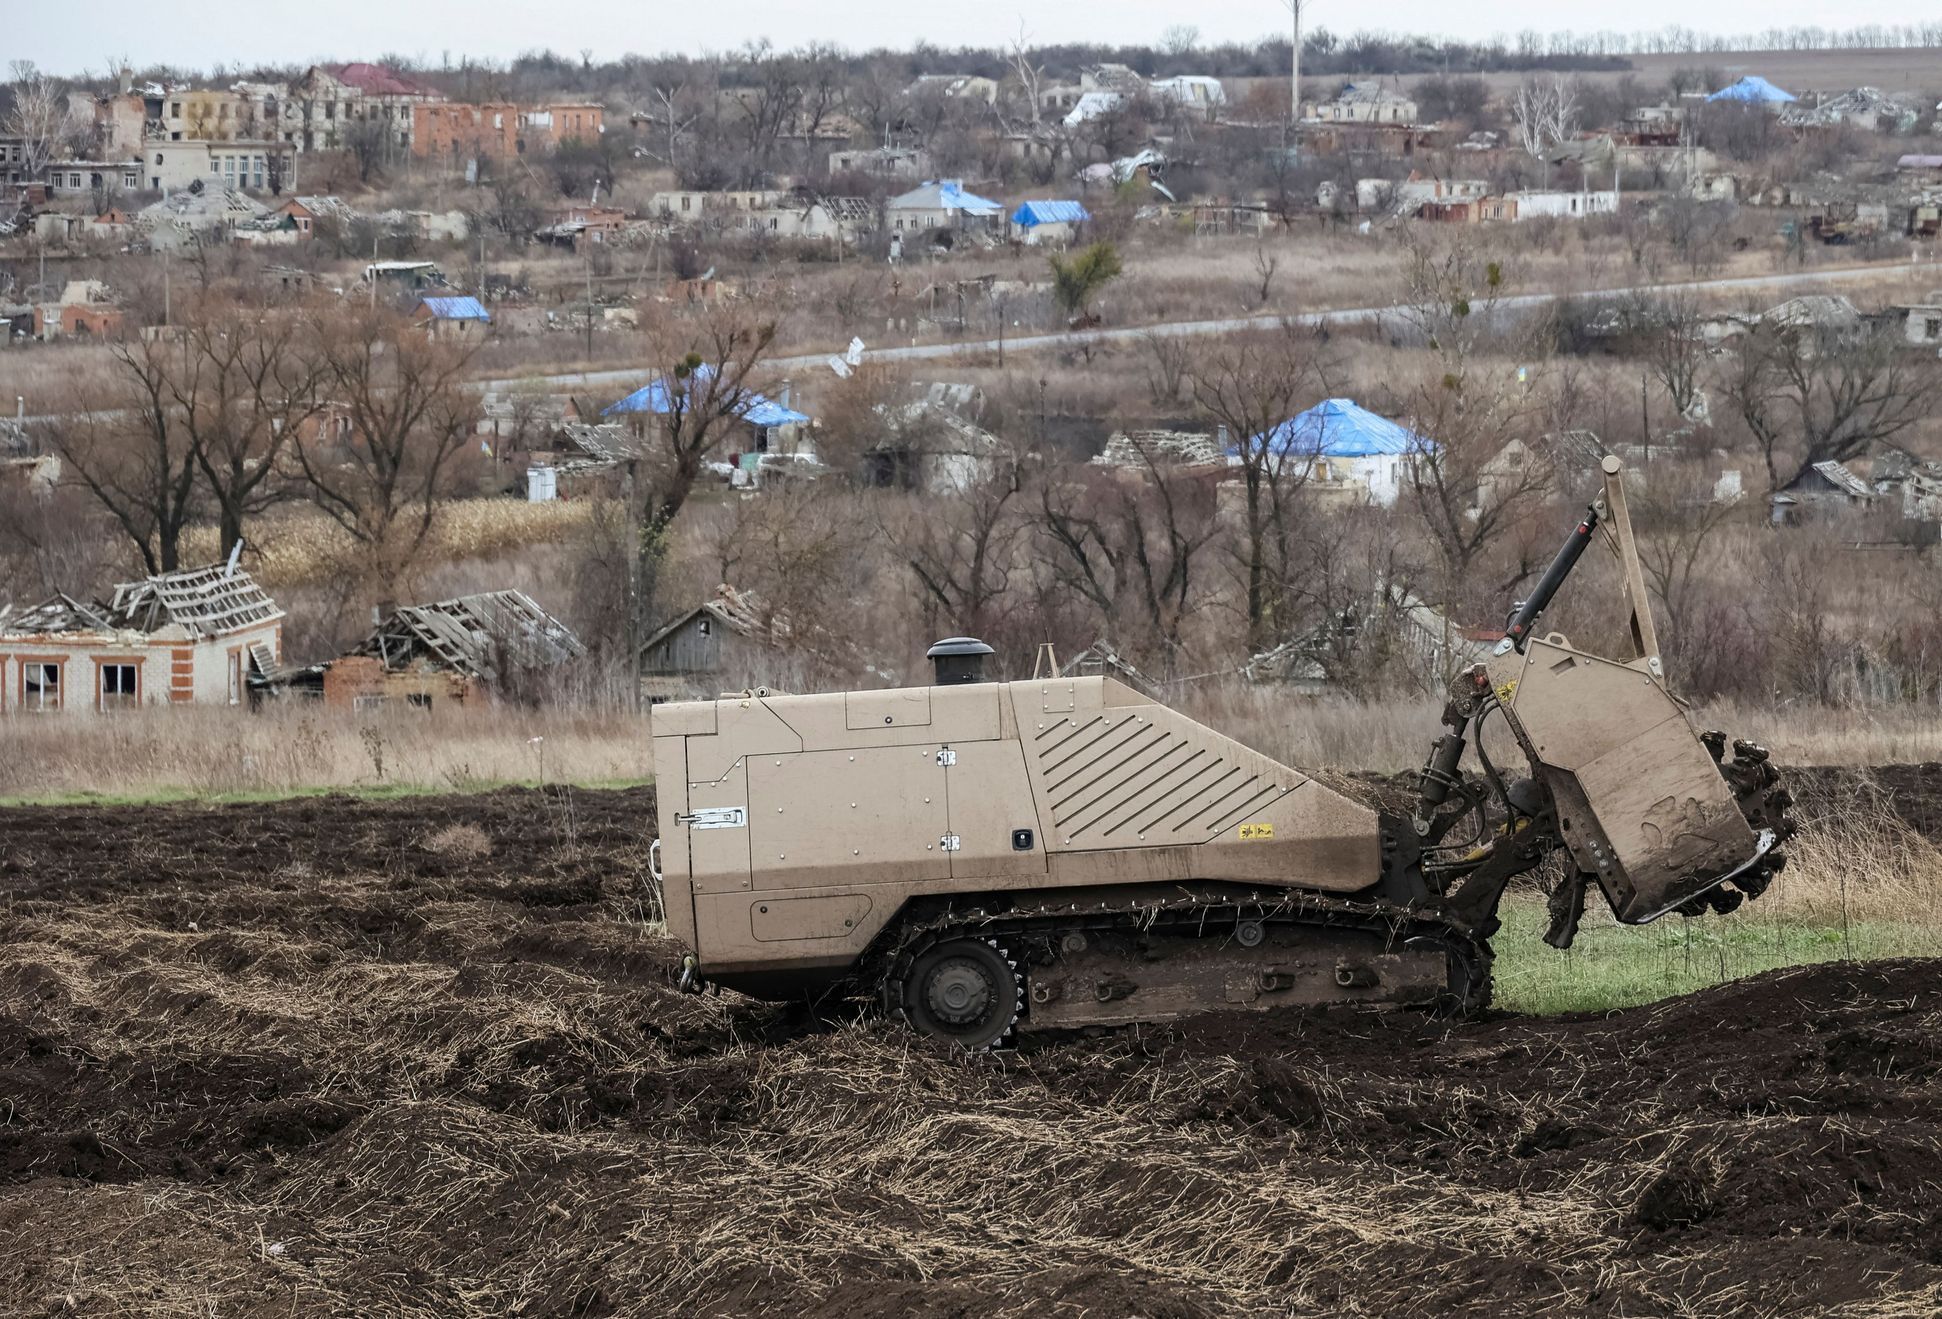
x: 1506, y: 690
x: 1253, y: 833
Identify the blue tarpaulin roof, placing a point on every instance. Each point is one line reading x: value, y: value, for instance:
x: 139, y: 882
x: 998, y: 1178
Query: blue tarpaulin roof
x: 457, y: 309
x: 1752, y: 88
x: 1338, y: 428
x: 1050, y: 212
x: 757, y: 411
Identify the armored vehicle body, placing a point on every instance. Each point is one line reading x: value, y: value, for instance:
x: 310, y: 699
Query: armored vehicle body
x: 985, y: 857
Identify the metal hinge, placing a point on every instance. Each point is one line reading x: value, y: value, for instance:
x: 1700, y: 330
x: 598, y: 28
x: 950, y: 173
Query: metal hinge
x: 947, y: 757
x: 949, y: 843
x: 715, y: 817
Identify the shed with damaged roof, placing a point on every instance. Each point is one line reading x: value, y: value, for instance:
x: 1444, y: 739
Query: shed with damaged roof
x: 723, y: 642
x: 1825, y: 487
x: 735, y: 641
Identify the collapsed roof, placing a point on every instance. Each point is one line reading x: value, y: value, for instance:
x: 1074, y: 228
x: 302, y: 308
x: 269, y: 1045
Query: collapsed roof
x: 209, y: 602
x: 205, y: 602
x: 475, y: 635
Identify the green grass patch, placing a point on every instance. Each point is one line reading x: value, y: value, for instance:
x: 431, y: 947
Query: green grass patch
x: 172, y: 794
x: 1620, y: 966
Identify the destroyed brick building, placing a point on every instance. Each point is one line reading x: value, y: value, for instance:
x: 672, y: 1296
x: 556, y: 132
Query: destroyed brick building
x: 454, y: 652
x: 195, y: 636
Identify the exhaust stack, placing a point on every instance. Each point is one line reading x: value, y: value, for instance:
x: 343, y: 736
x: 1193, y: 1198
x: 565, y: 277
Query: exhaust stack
x: 957, y: 660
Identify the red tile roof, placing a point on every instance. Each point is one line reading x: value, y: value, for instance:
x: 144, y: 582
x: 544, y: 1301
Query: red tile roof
x: 376, y: 80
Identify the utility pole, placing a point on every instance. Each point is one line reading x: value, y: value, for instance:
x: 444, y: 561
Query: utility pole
x: 1294, y: 80
x: 589, y: 268
x: 633, y: 620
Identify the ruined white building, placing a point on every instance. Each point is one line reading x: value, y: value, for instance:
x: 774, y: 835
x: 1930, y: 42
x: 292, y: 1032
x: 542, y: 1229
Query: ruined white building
x: 192, y: 636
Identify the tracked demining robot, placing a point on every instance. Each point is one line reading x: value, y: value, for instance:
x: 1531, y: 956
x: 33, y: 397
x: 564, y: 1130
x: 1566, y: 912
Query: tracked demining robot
x: 989, y: 858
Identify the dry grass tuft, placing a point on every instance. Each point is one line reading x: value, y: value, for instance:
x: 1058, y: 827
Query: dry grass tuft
x: 463, y: 842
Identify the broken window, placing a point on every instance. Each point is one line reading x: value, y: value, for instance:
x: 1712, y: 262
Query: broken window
x: 419, y: 700
x: 372, y: 702
x: 235, y: 677
x: 40, y: 686
x: 118, y: 686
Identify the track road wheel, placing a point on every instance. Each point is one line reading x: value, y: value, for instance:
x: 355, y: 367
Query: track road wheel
x: 965, y: 991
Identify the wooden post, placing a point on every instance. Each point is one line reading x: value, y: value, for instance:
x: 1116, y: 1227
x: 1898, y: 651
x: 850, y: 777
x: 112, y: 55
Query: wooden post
x: 1618, y: 521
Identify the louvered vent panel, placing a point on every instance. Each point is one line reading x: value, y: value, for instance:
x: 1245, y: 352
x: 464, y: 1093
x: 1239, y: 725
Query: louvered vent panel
x: 1146, y: 777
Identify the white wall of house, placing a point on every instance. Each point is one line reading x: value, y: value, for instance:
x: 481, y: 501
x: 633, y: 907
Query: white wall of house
x: 1055, y: 233
x: 918, y: 219
x: 169, y: 666
x: 1564, y: 205
x: 1384, y: 473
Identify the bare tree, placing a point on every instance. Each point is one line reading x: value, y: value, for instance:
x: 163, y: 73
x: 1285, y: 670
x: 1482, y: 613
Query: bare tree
x: 674, y: 108
x: 1825, y: 394
x: 1265, y: 265
x: 1544, y: 113
x: 1250, y: 389
x: 226, y: 393
x: 770, y: 95
x: 131, y: 453
x: 38, y: 117
x: 1030, y: 75
x: 390, y: 446
x: 1697, y: 231
x: 1674, y: 348
x: 1681, y: 519
x: 963, y: 551
x: 1127, y: 543
x: 1484, y: 455
x: 1167, y: 358
x: 369, y: 144
x: 704, y: 383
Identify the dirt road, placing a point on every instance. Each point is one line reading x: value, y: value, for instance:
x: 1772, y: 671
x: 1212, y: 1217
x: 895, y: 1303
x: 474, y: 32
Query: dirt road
x: 419, y: 1057
x: 1779, y: 284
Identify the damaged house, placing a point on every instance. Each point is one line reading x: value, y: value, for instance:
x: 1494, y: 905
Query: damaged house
x: 735, y: 641
x: 454, y: 652
x: 194, y: 636
x: 927, y: 445
x: 721, y: 643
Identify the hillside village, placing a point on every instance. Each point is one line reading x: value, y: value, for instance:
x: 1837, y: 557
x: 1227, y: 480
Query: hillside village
x: 742, y: 326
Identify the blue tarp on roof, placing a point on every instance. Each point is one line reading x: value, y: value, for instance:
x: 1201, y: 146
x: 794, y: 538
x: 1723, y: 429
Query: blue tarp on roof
x: 1752, y: 89
x: 1338, y: 428
x: 1031, y: 214
x: 457, y: 309
x: 757, y: 411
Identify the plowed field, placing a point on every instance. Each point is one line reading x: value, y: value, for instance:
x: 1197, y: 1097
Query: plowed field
x: 420, y: 1057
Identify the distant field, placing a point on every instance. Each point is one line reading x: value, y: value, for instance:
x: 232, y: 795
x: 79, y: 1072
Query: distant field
x: 1798, y: 71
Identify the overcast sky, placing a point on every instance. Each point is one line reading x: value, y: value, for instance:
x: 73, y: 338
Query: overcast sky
x: 78, y: 37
